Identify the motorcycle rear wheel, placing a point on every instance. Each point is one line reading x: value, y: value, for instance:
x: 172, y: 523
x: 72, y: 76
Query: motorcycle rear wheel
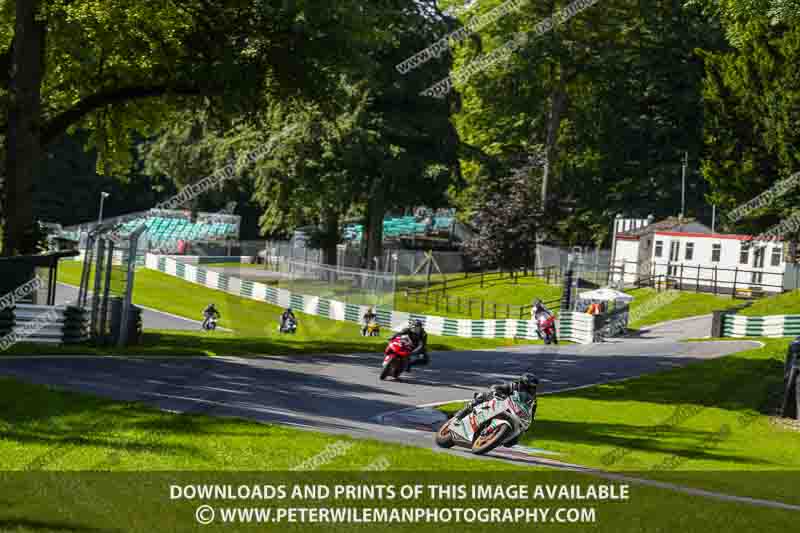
x: 485, y: 444
x: 444, y: 437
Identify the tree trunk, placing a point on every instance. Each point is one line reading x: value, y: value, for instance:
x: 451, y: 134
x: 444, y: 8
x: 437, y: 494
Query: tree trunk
x: 331, y: 237
x: 376, y: 210
x: 558, y: 100
x: 23, y: 140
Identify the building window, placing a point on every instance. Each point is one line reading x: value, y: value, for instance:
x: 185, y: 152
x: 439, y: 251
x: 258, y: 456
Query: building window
x: 744, y: 254
x: 776, y: 256
x: 659, y: 248
x: 716, y: 252
x: 674, y: 250
x: 689, y: 251
x: 758, y: 257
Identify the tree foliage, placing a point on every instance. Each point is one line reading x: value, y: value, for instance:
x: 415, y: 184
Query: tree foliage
x: 507, y: 217
x: 752, y: 129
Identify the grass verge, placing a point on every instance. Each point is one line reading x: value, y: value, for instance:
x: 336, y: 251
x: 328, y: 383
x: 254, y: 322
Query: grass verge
x: 711, y: 416
x: 78, y: 438
x: 497, y: 288
x: 787, y: 303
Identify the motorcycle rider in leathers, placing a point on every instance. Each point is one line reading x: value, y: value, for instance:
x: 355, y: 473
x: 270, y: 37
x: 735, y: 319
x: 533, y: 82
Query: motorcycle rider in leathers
x: 419, y: 339
x: 526, y: 385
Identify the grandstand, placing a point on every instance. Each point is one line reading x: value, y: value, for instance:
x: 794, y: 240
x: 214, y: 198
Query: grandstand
x: 405, y: 226
x: 165, y: 228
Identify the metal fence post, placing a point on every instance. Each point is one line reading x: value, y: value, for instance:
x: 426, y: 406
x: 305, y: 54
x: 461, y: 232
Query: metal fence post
x: 697, y: 282
x: 127, y: 303
x: 716, y: 288
x: 106, y: 288
x: 98, y: 273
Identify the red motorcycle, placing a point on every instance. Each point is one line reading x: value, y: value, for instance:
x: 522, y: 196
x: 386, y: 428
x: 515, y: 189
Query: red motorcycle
x: 546, y: 329
x: 396, y: 356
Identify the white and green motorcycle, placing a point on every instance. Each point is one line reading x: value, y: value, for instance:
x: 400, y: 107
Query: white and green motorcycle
x: 495, y: 422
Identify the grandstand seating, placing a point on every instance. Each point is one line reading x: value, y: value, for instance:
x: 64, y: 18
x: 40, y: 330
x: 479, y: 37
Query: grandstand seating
x: 399, y: 226
x: 166, y: 230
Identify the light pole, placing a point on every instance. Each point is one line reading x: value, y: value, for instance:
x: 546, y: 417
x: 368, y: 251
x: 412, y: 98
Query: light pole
x: 103, y: 196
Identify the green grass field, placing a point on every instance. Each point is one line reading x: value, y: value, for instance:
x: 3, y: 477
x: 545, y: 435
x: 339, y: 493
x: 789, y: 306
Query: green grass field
x: 498, y: 288
x: 712, y: 416
x: 787, y: 303
x: 254, y: 323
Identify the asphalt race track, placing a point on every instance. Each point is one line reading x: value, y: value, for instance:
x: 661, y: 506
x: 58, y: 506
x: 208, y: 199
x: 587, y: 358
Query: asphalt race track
x: 342, y: 393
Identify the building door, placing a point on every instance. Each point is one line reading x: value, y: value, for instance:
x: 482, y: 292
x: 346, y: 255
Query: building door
x: 674, y: 249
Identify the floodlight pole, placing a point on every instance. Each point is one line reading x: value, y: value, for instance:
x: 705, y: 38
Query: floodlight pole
x: 103, y: 196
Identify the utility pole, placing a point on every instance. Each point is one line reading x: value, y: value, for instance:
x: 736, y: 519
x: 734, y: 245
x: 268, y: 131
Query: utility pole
x: 683, y: 183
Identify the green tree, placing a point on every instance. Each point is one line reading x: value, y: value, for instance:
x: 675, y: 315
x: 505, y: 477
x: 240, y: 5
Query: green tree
x: 118, y: 66
x: 752, y: 130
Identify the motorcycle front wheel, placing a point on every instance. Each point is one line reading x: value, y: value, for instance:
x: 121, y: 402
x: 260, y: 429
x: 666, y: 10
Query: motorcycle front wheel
x: 444, y: 437
x: 385, y: 371
x: 487, y: 442
x: 398, y: 368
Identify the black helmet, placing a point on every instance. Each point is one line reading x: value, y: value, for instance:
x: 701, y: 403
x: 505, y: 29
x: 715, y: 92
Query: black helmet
x: 418, y: 324
x: 528, y: 383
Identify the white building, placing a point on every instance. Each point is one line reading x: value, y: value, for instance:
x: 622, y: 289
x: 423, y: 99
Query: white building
x: 686, y: 254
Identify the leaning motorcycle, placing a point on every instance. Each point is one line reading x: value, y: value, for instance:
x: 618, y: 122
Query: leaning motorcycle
x: 210, y: 324
x: 396, y: 355
x: 290, y: 326
x: 495, y: 422
x: 546, y: 329
x: 373, y: 329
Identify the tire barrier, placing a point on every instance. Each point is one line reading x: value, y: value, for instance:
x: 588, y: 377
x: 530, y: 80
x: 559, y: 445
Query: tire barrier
x: 7, y: 321
x: 134, y: 333
x: 45, y: 324
x: 76, y: 325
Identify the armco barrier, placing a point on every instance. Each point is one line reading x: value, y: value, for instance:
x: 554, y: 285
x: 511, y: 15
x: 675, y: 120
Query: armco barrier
x: 576, y: 327
x: 760, y: 326
x: 50, y: 324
